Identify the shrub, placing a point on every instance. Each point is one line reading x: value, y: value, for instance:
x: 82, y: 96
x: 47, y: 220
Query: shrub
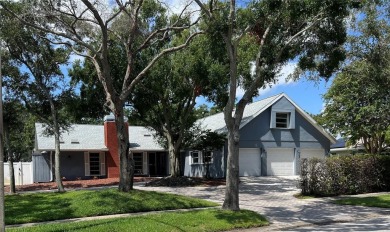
x: 352, y: 174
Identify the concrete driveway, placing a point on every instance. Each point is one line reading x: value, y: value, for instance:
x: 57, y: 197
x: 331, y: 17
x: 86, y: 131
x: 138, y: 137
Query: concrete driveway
x: 273, y: 197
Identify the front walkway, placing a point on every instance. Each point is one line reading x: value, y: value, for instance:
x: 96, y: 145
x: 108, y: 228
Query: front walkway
x: 273, y: 197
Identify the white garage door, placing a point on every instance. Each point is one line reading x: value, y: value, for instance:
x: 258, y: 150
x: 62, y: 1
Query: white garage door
x: 310, y: 153
x: 249, y: 161
x: 280, y: 162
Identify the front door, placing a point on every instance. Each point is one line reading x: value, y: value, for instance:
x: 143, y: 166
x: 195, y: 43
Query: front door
x: 157, y: 164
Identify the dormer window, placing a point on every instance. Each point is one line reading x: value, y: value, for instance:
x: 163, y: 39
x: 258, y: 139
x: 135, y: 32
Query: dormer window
x: 282, y: 120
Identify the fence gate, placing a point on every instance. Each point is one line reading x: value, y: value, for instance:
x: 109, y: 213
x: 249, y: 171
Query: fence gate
x: 42, y: 168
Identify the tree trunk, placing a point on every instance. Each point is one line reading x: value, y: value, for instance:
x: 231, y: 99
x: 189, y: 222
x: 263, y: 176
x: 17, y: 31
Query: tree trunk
x: 174, y: 156
x: 126, y: 164
x: 174, y: 159
x: 231, y: 201
x: 57, y: 158
x: 57, y: 153
x: 10, y: 162
x: 11, y: 174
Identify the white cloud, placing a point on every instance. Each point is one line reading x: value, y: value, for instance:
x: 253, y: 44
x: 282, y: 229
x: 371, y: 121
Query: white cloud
x: 281, y: 79
x: 177, y: 6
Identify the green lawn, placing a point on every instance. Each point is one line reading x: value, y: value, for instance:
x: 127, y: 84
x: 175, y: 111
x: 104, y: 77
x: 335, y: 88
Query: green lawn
x: 40, y: 207
x: 382, y: 201
x: 202, y: 220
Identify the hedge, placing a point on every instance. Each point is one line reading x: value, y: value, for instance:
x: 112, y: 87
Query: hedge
x: 352, y: 174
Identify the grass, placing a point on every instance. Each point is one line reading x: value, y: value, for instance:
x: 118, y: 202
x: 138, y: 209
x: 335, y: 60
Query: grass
x: 201, y: 220
x: 382, y: 201
x: 40, y: 207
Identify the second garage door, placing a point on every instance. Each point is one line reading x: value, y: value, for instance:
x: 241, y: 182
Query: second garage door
x: 280, y: 161
x: 249, y: 161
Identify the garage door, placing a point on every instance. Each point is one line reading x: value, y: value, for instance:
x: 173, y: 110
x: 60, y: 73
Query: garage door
x: 249, y: 161
x: 310, y: 153
x: 280, y: 162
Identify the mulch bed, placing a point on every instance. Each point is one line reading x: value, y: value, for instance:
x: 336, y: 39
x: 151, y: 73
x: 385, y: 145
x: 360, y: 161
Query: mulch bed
x: 184, y: 181
x: 150, y: 181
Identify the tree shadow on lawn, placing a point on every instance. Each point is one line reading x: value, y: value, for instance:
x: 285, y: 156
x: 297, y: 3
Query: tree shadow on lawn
x: 35, y: 208
x: 143, y: 201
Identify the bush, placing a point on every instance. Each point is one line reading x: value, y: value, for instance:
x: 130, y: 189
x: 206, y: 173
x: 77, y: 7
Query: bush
x: 345, y: 175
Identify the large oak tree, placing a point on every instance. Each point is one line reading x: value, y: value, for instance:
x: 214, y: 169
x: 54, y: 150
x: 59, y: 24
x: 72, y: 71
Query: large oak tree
x: 90, y: 26
x: 310, y: 33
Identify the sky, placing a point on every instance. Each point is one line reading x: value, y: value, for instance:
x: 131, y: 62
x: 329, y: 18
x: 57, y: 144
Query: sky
x: 305, y: 93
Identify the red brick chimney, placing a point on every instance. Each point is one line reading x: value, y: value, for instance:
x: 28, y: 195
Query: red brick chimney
x: 111, y: 142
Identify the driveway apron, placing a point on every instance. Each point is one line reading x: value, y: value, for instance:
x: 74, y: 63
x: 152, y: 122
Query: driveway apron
x: 273, y: 198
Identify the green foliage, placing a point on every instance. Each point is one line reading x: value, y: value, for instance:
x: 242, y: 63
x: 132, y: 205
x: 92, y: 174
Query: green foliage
x: 32, y: 72
x: 208, y: 141
x: 357, y: 103
x: 75, y: 204
x: 382, y: 201
x: 19, y: 125
x: 345, y: 175
x: 199, y: 220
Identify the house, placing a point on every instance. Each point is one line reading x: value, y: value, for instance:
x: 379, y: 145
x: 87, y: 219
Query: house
x: 340, y: 148
x: 275, y: 133
x: 89, y: 151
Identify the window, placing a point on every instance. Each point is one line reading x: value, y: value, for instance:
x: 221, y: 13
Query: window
x: 282, y: 120
x: 138, y: 161
x: 208, y: 157
x: 195, y: 157
x: 95, y: 163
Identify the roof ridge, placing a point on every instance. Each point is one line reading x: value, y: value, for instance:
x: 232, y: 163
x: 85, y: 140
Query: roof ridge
x: 260, y: 100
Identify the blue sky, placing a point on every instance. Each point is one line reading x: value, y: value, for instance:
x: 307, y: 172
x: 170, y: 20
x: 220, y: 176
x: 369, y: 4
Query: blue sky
x: 306, y: 94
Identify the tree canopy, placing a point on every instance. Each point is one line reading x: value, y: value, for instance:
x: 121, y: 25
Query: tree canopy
x: 357, y: 103
x: 272, y: 33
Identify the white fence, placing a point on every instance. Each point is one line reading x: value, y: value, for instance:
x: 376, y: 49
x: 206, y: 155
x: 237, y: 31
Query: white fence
x: 23, y: 173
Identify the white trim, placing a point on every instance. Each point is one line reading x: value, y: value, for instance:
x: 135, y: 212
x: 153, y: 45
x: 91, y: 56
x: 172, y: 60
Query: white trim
x: 199, y: 157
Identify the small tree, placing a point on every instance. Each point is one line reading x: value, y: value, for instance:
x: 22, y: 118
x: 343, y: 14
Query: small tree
x: 36, y: 78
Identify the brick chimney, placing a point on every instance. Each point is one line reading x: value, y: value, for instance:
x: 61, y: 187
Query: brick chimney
x: 111, y: 142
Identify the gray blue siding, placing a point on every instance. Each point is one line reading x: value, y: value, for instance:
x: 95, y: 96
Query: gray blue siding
x: 216, y: 168
x: 259, y: 133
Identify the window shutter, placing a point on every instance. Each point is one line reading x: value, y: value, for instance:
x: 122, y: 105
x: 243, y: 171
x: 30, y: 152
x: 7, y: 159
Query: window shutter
x: 145, y: 163
x: 102, y: 159
x: 86, y: 163
x: 273, y: 119
x: 292, y: 120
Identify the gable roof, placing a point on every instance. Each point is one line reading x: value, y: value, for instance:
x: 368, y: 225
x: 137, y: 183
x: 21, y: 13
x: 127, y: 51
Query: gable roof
x: 216, y: 122
x: 82, y: 137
